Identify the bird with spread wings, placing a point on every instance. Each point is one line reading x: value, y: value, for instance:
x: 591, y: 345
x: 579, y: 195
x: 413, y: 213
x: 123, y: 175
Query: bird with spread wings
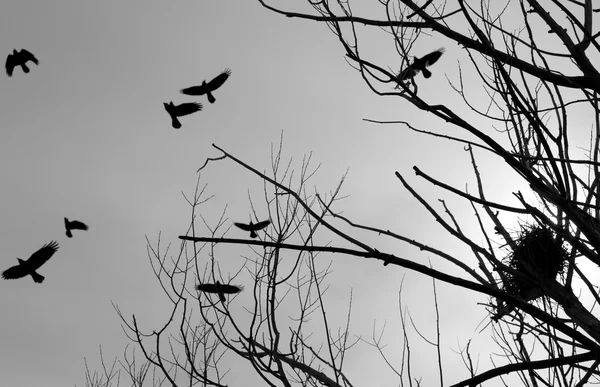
x: 220, y: 289
x: 208, y: 88
x: 181, y: 110
x: 74, y: 225
x: 29, y: 267
x: 253, y: 227
x: 19, y: 58
x: 420, y: 65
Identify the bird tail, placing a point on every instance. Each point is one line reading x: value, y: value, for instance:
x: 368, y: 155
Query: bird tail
x: 69, y: 233
x: 37, y: 278
x: 211, y: 99
x: 426, y: 73
x: 25, y: 68
x: 253, y: 234
x: 176, y: 124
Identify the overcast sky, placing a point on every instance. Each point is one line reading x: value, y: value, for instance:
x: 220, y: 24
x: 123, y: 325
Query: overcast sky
x: 85, y: 135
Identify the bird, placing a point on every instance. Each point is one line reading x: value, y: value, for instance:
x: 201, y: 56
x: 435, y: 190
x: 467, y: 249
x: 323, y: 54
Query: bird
x: 420, y: 65
x: 220, y: 289
x: 19, y: 58
x: 208, y: 88
x: 181, y: 110
x: 29, y: 267
x: 528, y: 294
x: 74, y: 225
x: 253, y: 227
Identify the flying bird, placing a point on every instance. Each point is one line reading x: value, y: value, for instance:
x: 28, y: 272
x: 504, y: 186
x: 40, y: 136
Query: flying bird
x: 420, y: 65
x: 220, y: 289
x: 19, y: 58
x: 74, y: 225
x: 28, y: 267
x: 253, y: 227
x: 208, y: 88
x: 181, y: 110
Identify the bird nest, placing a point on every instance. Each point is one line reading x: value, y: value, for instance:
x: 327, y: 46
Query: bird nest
x: 539, y: 255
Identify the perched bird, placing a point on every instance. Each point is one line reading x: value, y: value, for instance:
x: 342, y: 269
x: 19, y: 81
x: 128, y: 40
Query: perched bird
x: 253, y: 227
x: 28, y: 267
x: 208, y: 88
x: 181, y: 110
x: 420, y: 65
x: 220, y: 289
x: 74, y: 225
x: 19, y: 58
x: 529, y: 294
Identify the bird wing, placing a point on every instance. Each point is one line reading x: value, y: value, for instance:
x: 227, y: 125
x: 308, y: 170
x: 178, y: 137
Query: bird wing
x: 219, y: 288
x: 208, y: 288
x: 219, y: 80
x: 229, y: 289
x: 245, y: 227
x: 432, y: 57
x: 187, y: 108
x: 26, y: 55
x: 10, y: 64
x: 408, y: 73
x: 15, y: 272
x: 195, y: 90
x: 77, y: 225
x: 40, y: 257
x: 261, y: 225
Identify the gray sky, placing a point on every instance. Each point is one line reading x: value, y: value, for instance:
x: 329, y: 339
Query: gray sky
x: 85, y: 135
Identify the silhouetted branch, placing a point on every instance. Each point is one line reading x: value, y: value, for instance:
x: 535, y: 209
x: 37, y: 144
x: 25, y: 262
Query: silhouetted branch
x: 533, y: 365
x: 467, y: 196
x: 211, y: 159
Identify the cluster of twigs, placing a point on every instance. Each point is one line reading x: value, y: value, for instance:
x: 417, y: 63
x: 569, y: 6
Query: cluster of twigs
x: 539, y: 256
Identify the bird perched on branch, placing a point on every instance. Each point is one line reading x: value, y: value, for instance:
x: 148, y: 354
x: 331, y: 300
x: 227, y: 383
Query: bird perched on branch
x: 181, y: 110
x: 420, y: 65
x: 504, y: 308
x: 220, y: 289
x: 253, y: 227
x: 19, y: 58
x: 29, y: 267
x: 208, y: 88
x: 74, y: 225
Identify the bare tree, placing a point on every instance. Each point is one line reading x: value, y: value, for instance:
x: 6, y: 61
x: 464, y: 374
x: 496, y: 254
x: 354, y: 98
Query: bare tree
x: 540, y: 80
x: 537, y: 264
x: 205, y: 331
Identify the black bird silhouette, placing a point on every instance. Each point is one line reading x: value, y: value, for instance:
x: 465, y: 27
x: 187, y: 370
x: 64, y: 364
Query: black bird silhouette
x: 420, y: 65
x: 208, y: 88
x: 28, y: 267
x: 181, y: 110
x: 528, y: 295
x: 74, y: 225
x: 253, y: 227
x: 19, y: 58
x: 220, y: 289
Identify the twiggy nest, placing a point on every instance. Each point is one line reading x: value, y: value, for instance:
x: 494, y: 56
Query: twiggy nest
x: 539, y: 255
